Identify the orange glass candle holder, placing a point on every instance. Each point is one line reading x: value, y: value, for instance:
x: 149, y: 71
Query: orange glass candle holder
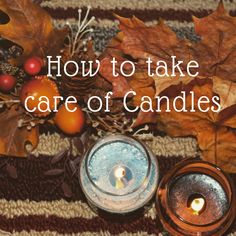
x: 196, y: 198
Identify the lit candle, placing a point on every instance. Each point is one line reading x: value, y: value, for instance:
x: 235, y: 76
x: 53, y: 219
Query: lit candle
x: 119, y: 174
x: 197, y: 205
x: 196, y: 198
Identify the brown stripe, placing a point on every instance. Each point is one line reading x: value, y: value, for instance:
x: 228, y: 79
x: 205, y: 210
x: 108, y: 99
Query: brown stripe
x: 145, y: 15
x: 33, y: 185
x: 76, y: 225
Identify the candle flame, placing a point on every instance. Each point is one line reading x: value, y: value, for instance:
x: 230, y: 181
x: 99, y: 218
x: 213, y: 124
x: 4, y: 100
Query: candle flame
x: 119, y: 172
x: 197, y: 205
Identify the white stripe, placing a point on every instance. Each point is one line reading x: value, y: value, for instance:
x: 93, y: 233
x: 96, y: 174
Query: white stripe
x: 60, y: 208
x: 115, y: 23
x: 144, y: 4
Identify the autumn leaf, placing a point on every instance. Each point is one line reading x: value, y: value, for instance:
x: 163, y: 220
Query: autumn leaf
x: 119, y: 83
x: 137, y: 42
x: 226, y: 90
x: 157, y: 42
x: 216, y: 51
x: 31, y: 28
x: 54, y: 172
x: 139, y: 82
x: 12, y: 138
x: 66, y: 190
x: 214, y: 131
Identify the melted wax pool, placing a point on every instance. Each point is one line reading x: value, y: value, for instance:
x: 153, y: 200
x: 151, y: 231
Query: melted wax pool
x: 107, y: 157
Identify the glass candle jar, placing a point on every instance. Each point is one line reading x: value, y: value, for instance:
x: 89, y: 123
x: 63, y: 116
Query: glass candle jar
x: 119, y: 174
x: 196, y: 198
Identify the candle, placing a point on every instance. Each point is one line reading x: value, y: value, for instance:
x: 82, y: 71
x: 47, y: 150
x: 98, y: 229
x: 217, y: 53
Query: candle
x: 197, y: 205
x: 188, y: 190
x: 196, y: 198
x: 119, y: 174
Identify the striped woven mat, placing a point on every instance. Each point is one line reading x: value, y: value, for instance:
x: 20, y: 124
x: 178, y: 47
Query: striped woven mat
x: 33, y: 204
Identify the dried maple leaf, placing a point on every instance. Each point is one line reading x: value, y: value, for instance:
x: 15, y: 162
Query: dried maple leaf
x: 12, y: 138
x: 226, y: 90
x: 138, y: 42
x: 120, y: 84
x: 31, y: 28
x: 139, y: 82
x: 157, y: 42
x: 216, y: 52
x: 214, y: 131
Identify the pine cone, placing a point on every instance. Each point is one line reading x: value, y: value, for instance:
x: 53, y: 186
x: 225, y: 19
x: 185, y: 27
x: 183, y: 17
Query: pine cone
x: 78, y: 86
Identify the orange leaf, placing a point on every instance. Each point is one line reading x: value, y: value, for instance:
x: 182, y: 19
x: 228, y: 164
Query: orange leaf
x: 13, y: 139
x: 216, y: 137
x: 216, y: 52
x: 31, y: 28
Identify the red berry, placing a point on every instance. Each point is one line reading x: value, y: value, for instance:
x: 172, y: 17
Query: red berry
x: 7, y: 83
x: 40, y: 60
x: 33, y: 65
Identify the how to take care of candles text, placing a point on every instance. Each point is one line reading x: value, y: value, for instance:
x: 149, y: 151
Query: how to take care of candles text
x: 154, y: 69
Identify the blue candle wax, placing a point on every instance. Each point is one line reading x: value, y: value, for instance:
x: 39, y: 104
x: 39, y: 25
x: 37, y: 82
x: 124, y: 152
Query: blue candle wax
x: 114, y: 157
x: 119, y: 174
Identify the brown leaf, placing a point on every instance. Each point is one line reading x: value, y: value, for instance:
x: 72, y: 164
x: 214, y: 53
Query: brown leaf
x: 78, y: 144
x: 226, y: 90
x: 219, y: 146
x: 86, y: 139
x: 216, y: 52
x: 31, y: 28
x: 120, y: 84
x: 73, y: 167
x: 131, y: 23
x: 12, y: 138
x: 214, y: 131
x: 137, y: 42
x: 54, y: 172
x: 59, y: 156
x: 139, y: 82
x: 157, y: 42
x: 11, y: 170
x: 66, y: 190
x: 145, y: 118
